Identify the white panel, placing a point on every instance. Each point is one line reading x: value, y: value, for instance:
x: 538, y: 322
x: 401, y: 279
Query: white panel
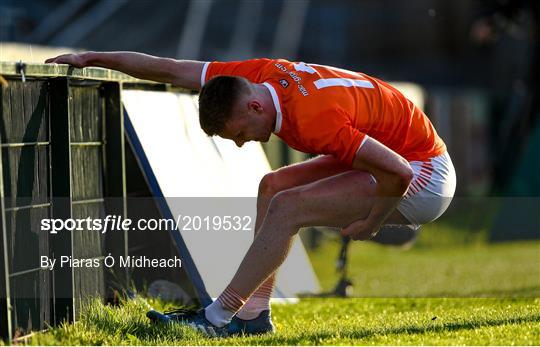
x: 188, y: 163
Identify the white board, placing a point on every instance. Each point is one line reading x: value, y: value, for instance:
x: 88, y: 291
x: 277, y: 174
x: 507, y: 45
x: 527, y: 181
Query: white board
x: 185, y: 163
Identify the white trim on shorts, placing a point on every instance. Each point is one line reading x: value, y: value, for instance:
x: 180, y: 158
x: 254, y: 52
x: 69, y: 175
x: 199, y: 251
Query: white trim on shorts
x: 431, y: 190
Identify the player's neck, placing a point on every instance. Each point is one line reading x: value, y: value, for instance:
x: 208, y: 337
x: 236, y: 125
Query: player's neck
x: 268, y: 104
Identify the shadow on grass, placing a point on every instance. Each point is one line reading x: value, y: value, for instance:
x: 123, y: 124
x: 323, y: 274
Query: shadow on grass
x: 125, y: 324
x: 146, y: 331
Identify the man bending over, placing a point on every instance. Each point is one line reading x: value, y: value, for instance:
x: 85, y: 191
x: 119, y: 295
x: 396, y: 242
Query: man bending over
x: 381, y: 160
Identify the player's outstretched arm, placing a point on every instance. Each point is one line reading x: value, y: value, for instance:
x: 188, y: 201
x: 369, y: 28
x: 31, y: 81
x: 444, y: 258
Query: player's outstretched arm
x: 183, y: 73
x: 393, y: 174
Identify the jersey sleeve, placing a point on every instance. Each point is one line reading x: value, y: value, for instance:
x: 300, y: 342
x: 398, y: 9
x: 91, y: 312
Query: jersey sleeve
x: 333, y: 133
x: 250, y: 69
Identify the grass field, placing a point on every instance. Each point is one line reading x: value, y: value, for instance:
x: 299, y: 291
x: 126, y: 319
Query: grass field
x: 446, y: 290
x: 329, y: 322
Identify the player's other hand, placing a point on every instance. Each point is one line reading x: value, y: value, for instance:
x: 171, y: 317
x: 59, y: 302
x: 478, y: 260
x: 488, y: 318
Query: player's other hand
x: 75, y: 60
x: 360, y: 230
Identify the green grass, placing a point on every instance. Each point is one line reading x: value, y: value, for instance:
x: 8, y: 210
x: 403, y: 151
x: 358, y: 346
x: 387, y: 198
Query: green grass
x: 475, y: 270
x: 328, y: 322
x: 449, y: 289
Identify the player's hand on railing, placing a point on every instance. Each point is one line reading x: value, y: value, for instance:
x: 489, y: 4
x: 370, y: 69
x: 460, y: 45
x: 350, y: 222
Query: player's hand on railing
x: 76, y: 60
x: 361, y: 229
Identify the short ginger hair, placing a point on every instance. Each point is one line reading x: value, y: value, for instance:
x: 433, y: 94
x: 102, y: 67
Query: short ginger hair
x: 217, y: 99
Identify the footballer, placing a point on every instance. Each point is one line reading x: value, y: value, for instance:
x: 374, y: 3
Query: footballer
x: 380, y: 161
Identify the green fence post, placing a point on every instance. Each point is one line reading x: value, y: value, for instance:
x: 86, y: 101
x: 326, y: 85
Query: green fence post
x: 5, y: 303
x: 115, y: 181
x: 61, y: 243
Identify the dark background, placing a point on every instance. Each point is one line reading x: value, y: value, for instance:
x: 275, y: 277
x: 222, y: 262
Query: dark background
x: 476, y: 60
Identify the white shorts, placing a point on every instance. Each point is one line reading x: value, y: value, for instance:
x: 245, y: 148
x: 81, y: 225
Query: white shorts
x: 430, y: 191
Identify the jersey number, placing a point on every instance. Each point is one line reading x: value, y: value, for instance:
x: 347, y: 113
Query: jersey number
x: 334, y: 82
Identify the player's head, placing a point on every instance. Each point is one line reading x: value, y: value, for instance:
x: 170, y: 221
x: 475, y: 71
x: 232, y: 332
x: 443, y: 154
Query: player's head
x: 231, y: 107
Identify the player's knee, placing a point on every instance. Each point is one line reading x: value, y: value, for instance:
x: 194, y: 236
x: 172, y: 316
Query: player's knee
x: 285, y: 207
x: 268, y: 186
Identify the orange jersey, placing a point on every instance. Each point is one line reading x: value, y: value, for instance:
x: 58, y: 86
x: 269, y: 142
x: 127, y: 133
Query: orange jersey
x: 326, y: 110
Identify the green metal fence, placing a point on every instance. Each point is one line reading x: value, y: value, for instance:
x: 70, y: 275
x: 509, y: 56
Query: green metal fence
x: 63, y: 156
